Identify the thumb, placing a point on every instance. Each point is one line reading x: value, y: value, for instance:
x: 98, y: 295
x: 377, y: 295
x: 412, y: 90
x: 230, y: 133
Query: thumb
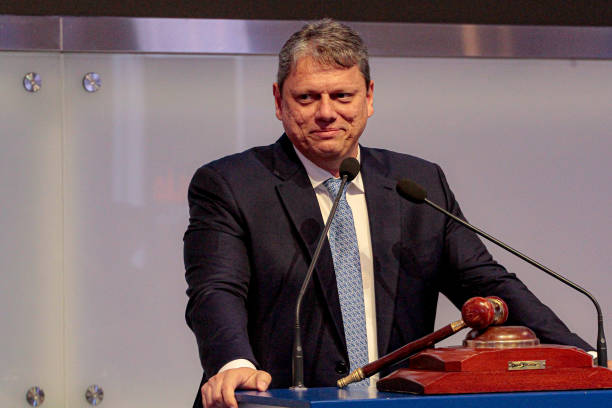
x: 260, y: 380
x: 263, y: 380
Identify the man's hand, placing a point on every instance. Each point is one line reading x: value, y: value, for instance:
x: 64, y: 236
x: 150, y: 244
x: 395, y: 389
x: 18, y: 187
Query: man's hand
x: 218, y: 391
x: 610, y: 364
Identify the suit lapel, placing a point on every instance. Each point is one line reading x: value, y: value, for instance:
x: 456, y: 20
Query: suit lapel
x: 300, y: 202
x: 299, y: 199
x: 385, y: 230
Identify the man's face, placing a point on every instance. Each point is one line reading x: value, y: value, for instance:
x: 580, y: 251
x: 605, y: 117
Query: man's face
x: 324, y: 110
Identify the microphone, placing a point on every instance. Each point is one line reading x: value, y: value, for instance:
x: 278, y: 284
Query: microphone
x: 349, y: 168
x: 411, y: 191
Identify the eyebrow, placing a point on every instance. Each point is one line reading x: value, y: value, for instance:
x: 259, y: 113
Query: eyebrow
x: 340, y: 89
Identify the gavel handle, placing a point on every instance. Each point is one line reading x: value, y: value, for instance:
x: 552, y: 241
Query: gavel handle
x: 401, y: 353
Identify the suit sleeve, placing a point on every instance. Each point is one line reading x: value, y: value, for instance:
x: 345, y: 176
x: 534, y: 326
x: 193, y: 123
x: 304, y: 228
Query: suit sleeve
x: 473, y: 272
x: 217, y: 272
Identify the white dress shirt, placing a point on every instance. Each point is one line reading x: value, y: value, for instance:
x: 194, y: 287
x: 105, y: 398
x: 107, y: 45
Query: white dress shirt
x: 355, y: 196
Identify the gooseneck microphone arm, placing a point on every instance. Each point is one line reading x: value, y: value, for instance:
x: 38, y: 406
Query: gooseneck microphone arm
x: 415, y: 193
x: 349, y: 168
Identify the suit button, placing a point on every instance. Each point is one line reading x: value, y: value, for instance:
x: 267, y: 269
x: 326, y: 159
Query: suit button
x: 341, y: 368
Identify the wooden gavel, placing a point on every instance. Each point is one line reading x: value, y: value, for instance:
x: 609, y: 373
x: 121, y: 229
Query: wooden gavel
x: 477, y: 313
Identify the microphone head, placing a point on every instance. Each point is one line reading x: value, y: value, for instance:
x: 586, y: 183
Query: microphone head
x: 350, y: 168
x: 411, y: 191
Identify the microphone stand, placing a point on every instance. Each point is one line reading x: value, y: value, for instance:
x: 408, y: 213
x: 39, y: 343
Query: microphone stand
x: 602, y: 349
x: 298, y: 353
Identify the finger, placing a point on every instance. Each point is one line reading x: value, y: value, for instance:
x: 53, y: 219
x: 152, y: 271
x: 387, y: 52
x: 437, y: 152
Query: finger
x: 215, y: 390
x: 206, y: 396
x: 233, y: 379
x: 227, y: 392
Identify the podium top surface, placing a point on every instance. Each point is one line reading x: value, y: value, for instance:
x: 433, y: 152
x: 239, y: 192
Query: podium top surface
x: 372, y: 398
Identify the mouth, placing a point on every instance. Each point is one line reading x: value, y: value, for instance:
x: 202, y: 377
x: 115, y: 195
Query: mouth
x: 326, y: 133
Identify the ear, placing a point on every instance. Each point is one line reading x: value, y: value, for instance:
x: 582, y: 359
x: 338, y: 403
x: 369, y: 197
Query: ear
x: 370, y: 98
x: 278, y: 101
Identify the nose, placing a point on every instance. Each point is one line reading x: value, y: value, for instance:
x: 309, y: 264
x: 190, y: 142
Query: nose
x: 325, y: 110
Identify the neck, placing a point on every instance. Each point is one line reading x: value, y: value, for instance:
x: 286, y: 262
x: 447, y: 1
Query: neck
x: 331, y: 166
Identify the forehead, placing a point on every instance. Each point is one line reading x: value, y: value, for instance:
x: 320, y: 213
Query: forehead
x: 308, y: 72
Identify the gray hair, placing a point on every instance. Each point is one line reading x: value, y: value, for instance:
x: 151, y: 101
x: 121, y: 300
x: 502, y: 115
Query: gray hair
x: 330, y: 43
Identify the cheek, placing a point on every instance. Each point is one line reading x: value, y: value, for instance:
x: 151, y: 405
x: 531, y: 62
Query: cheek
x: 351, y: 114
x: 364, y: 113
x: 297, y: 116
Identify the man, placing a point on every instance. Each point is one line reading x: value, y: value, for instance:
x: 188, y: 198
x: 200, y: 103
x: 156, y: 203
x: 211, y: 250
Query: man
x: 255, y: 218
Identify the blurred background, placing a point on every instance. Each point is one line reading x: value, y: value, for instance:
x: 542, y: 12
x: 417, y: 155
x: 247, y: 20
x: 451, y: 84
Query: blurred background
x: 107, y: 112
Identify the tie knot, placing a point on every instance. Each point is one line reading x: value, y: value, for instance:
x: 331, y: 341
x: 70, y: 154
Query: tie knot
x: 333, y: 185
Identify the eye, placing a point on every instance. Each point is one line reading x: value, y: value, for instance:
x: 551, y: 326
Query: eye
x: 304, y: 98
x: 343, y: 96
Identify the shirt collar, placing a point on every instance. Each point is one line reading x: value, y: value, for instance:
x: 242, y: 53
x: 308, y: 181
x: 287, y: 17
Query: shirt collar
x: 318, y: 175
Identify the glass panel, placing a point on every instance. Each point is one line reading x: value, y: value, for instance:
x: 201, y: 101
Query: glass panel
x: 525, y: 146
x: 31, y: 348
x: 131, y: 149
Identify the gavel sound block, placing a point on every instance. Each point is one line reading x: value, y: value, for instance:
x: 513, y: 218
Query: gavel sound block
x: 498, y: 359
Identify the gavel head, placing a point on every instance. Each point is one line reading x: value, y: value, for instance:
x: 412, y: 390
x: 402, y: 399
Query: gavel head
x: 479, y: 313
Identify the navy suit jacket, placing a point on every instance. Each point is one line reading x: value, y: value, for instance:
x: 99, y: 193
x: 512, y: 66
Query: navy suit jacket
x: 254, y: 224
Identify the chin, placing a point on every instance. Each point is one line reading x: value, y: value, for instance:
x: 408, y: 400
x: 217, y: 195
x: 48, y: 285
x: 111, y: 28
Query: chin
x: 331, y: 147
x: 329, y: 154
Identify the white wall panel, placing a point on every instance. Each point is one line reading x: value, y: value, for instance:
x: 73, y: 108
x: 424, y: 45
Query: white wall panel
x: 31, y: 293
x: 131, y: 149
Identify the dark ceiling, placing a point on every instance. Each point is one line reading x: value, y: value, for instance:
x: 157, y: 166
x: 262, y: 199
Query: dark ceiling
x: 523, y: 12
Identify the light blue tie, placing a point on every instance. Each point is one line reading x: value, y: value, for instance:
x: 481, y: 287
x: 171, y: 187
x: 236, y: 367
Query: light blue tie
x: 345, y: 253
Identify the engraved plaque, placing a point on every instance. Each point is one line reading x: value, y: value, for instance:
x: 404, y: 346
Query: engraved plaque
x: 527, y: 365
